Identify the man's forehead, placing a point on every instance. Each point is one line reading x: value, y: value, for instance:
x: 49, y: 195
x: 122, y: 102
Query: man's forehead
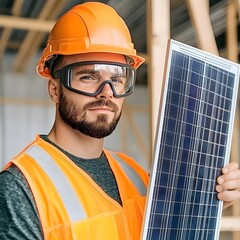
x: 99, y: 68
x: 84, y: 57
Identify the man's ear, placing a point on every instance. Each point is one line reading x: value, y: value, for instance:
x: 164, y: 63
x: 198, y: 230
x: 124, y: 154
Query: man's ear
x: 53, y: 89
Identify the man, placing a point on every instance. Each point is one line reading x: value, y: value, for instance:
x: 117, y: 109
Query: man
x: 64, y: 185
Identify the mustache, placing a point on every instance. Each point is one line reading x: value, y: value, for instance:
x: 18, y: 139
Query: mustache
x: 101, y: 103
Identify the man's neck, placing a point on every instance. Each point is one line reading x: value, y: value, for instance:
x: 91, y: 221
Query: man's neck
x: 75, y: 142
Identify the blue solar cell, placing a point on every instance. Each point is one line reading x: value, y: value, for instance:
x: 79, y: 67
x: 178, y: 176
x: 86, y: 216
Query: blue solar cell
x: 178, y: 60
x: 174, y: 98
x: 226, y: 116
x: 163, y: 182
x: 207, y: 122
x: 169, y: 138
x: 197, y: 66
x: 205, y: 134
x: 192, y: 150
x: 193, y: 90
x: 222, y: 139
x: 230, y: 80
x: 183, y: 167
x: 188, y: 129
x: 167, y: 152
x: 157, y: 220
x: 176, y: 84
x: 159, y: 207
x: 180, y: 181
x: 161, y: 195
x: 222, y: 150
x: 212, y: 86
x: 171, y: 125
x: 191, y: 104
x: 190, y: 117
x: 227, y: 105
x: 194, y: 209
x: 177, y: 208
x: 186, y: 143
x: 229, y: 93
x: 179, y: 195
x: 155, y: 234
x: 173, y: 112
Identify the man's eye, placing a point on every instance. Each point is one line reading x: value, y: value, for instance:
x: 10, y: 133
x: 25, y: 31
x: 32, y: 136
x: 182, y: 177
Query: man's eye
x: 119, y: 80
x: 87, y: 78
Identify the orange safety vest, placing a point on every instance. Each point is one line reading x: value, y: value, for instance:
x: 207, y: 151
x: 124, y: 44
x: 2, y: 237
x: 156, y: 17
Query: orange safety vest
x: 72, y: 206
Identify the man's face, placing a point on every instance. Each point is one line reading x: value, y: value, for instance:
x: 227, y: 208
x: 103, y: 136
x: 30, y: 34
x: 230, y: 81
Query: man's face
x: 97, y: 116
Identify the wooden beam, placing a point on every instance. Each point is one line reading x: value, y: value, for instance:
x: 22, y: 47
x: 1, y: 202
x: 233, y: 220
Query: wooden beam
x: 200, y: 17
x: 232, y: 54
x: 22, y: 23
x: 33, y: 39
x: 237, y: 4
x: 7, y: 31
x: 231, y: 32
x: 158, y: 32
x: 17, y: 6
x: 4, y: 40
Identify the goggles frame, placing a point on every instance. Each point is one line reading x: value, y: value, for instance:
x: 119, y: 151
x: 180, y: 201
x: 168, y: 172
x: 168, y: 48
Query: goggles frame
x: 64, y: 74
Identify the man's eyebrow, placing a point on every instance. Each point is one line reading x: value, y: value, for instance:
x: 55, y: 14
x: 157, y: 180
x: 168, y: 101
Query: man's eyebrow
x: 85, y: 70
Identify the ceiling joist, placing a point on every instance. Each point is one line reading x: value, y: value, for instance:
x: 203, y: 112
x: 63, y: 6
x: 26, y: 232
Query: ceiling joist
x: 200, y: 17
x: 7, y: 31
x: 29, y: 24
x: 33, y: 39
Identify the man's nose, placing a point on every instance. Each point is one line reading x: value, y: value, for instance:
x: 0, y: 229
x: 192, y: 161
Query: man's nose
x: 106, y: 91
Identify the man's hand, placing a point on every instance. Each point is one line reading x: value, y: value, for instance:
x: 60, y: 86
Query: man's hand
x: 228, y: 185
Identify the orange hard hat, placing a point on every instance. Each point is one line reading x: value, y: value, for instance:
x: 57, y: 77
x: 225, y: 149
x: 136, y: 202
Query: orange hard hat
x: 91, y: 27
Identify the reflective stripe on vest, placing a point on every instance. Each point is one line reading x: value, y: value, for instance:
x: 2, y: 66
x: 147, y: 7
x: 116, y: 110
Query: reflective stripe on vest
x: 71, y: 202
x: 132, y: 174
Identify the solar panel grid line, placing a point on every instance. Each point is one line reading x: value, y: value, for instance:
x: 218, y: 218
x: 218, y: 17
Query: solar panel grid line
x: 210, y: 125
x: 200, y: 55
x: 185, y: 211
x: 198, y: 223
x: 199, y: 193
x: 194, y: 126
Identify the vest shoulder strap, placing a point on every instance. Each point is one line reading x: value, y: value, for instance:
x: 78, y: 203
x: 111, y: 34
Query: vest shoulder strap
x: 71, y: 202
x: 131, y: 173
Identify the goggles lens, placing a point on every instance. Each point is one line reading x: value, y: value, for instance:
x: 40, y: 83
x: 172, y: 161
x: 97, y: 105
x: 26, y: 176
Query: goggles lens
x: 89, y: 78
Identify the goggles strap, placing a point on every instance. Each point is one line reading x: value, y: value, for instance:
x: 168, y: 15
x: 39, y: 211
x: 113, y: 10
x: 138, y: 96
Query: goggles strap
x: 51, y: 63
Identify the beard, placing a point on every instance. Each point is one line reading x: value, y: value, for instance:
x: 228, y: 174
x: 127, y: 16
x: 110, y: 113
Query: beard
x: 75, y: 117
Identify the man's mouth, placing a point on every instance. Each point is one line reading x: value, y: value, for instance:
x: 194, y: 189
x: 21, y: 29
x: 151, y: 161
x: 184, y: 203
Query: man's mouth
x: 102, y: 105
x: 101, y: 109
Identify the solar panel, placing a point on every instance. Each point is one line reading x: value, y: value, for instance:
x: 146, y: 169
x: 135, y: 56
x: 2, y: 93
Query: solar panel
x: 192, y: 145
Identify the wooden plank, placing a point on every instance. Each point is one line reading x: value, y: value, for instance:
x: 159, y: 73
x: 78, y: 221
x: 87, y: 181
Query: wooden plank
x: 34, y: 39
x: 199, y: 14
x: 232, y: 54
x: 7, y: 31
x: 17, y: 5
x: 4, y: 40
x: 237, y: 5
x: 231, y: 32
x: 22, y: 23
x: 158, y: 32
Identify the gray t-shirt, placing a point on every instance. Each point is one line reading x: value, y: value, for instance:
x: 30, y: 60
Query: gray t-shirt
x: 19, y: 217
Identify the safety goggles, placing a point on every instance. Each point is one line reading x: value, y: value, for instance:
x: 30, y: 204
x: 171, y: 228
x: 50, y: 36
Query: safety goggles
x: 89, y: 78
